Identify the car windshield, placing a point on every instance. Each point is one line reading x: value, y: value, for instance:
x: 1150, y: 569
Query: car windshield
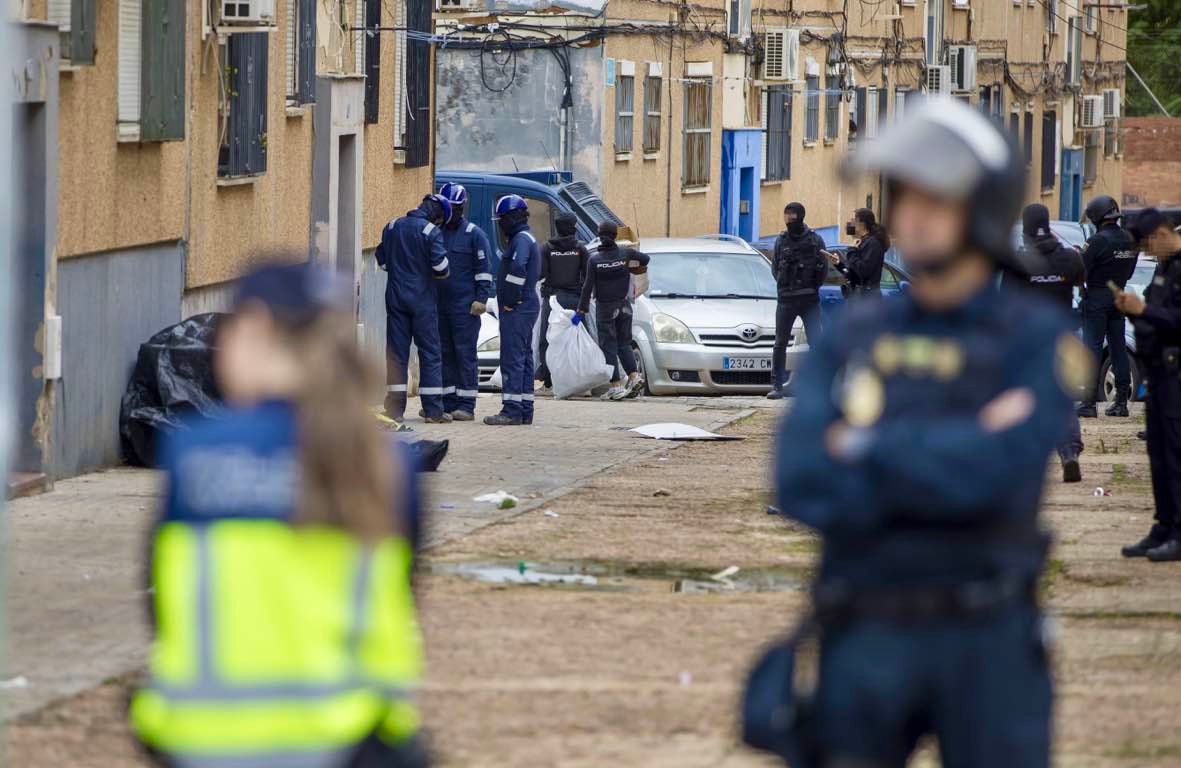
x: 710, y: 275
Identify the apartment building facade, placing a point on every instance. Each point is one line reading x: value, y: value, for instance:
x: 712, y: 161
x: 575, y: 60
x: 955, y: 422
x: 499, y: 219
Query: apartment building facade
x: 177, y: 142
x: 711, y: 116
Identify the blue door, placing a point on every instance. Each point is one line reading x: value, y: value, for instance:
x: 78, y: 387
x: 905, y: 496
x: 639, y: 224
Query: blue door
x: 746, y: 195
x: 1070, y: 201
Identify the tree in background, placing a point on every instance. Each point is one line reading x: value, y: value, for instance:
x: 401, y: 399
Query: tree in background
x: 1154, y: 49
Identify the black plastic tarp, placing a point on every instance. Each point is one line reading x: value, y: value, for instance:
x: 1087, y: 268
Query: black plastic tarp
x: 173, y: 377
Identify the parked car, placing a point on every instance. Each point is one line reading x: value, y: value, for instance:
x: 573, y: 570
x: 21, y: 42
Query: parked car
x: 707, y: 322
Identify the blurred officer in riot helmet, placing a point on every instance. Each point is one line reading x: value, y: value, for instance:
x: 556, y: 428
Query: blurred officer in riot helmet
x: 937, y: 410
x: 1109, y: 258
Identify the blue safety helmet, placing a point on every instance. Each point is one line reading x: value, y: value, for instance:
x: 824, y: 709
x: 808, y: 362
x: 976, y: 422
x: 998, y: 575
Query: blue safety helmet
x: 454, y: 193
x: 444, y: 204
x: 510, y: 203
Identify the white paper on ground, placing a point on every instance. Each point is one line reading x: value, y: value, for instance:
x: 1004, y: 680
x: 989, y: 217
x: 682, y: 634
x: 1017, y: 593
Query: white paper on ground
x: 674, y: 431
x: 495, y: 498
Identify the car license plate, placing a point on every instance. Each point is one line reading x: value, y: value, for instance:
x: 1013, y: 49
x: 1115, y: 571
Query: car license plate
x: 746, y: 363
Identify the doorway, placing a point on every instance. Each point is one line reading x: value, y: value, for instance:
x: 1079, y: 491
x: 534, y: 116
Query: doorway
x: 746, y: 194
x: 346, y: 213
x: 29, y: 262
x: 1070, y: 201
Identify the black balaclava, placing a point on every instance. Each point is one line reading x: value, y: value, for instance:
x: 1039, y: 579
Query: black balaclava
x: 432, y: 209
x: 456, y: 216
x: 1035, y: 221
x: 607, y: 233
x: 565, y: 224
x: 513, y: 222
x: 796, y: 228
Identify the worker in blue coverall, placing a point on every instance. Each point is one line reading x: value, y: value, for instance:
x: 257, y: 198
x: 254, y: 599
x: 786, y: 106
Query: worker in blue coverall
x: 516, y: 295
x: 463, y: 297
x: 413, y: 255
x: 917, y: 448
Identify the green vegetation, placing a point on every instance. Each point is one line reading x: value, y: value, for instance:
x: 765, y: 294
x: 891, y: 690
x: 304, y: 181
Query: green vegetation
x: 1154, y: 49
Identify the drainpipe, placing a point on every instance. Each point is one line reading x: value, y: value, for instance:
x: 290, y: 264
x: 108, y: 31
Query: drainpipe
x: 668, y: 152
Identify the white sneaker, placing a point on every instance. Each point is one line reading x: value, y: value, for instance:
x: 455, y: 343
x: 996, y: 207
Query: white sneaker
x: 615, y: 393
x: 634, y: 387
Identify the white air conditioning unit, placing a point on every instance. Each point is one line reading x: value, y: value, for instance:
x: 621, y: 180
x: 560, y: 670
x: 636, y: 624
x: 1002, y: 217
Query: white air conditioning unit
x: 1092, y: 112
x: 459, y: 5
x: 961, y: 60
x: 247, y: 12
x: 781, y: 54
x: 1111, y: 103
x: 939, y: 80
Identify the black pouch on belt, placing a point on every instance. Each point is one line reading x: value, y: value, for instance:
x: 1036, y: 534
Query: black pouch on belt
x: 776, y: 714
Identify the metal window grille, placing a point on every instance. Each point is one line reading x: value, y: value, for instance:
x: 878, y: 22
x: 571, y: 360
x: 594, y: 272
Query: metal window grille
x: 625, y: 98
x: 652, y: 115
x: 832, y: 107
x: 1049, y: 148
x: 777, y: 133
x: 698, y: 133
x: 1027, y: 138
x: 812, y: 102
x: 1091, y: 144
x: 244, y: 143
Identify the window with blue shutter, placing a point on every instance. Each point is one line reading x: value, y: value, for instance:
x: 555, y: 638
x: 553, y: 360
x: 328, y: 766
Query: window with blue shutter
x: 244, y: 145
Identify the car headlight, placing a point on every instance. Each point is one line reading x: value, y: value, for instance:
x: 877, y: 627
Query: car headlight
x: 670, y: 330
x: 492, y: 345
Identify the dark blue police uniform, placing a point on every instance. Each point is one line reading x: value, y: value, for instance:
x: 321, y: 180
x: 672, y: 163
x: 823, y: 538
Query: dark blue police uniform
x: 931, y: 545
x: 413, y: 255
x: 517, y: 297
x: 468, y: 251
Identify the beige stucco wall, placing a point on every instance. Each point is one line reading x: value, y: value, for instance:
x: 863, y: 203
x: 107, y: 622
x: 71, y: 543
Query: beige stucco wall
x: 110, y: 194
x: 117, y: 195
x: 230, y: 224
x: 650, y: 192
x: 390, y: 188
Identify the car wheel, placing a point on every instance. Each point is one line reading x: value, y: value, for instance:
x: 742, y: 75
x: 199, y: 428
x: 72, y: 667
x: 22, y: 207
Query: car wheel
x: 640, y: 367
x: 1107, y: 377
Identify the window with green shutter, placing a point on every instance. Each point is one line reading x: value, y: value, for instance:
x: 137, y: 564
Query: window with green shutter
x: 162, y: 83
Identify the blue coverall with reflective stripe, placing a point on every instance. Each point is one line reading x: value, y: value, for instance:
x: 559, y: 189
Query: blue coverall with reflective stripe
x: 413, y: 255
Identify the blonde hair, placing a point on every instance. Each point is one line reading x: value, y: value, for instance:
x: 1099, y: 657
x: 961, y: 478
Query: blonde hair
x: 348, y: 473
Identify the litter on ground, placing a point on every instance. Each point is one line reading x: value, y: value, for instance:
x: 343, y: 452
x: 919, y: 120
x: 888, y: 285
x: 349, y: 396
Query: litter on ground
x: 674, y: 431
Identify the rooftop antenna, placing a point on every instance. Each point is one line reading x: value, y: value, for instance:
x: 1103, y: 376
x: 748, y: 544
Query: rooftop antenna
x: 514, y: 159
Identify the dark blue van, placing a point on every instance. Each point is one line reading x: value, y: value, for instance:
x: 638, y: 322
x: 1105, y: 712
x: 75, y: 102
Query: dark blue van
x: 547, y: 193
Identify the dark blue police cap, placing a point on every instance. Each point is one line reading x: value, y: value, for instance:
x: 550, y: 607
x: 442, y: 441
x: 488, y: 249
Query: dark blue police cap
x: 294, y: 293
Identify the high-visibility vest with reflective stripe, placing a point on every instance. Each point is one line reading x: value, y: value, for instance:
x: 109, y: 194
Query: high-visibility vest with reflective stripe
x: 277, y: 644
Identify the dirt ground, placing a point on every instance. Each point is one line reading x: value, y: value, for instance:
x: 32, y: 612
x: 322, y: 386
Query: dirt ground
x: 643, y: 667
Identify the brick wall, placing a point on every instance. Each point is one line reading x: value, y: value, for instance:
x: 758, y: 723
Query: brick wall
x: 1152, y: 161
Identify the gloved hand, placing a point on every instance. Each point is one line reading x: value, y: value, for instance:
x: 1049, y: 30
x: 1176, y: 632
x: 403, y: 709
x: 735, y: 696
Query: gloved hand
x: 576, y: 319
x: 479, y: 308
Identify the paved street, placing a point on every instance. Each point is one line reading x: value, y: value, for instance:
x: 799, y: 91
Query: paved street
x: 76, y: 599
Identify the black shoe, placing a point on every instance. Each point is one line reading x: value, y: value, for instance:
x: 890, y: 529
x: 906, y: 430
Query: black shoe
x: 1167, y: 552
x: 1087, y: 411
x: 1118, y: 408
x: 775, y: 394
x: 1071, y: 473
x: 500, y: 420
x: 1141, y: 548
